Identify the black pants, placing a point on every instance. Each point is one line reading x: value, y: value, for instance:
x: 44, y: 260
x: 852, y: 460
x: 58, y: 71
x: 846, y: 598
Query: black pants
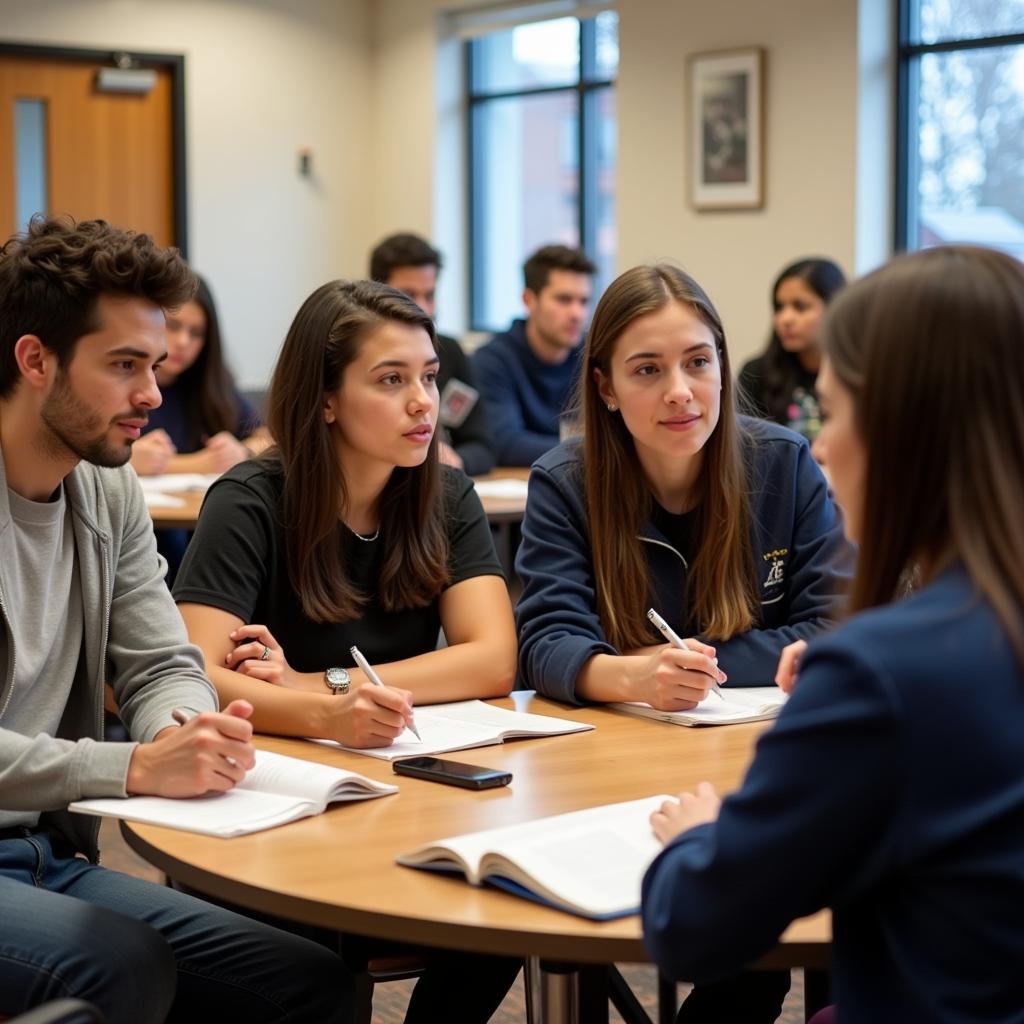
x: 750, y: 997
x: 455, y: 987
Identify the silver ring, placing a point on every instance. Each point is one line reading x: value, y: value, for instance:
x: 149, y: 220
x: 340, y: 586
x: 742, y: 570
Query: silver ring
x: 265, y: 656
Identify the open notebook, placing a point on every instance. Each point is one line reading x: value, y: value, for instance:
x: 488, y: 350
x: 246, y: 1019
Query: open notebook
x: 276, y: 790
x: 469, y: 723
x: 589, y: 863
x: 746, y: 704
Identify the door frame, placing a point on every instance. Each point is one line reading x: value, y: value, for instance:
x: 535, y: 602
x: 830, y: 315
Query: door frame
x: 175, y: 64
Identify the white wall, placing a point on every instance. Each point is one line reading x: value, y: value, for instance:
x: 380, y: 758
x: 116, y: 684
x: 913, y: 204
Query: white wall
x: 374, y: 86
x: 814, y: 117
x: 809, y: 152
x: 263, y: 78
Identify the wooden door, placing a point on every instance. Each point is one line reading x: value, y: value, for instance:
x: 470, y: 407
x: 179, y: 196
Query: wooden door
x: 108, y: 155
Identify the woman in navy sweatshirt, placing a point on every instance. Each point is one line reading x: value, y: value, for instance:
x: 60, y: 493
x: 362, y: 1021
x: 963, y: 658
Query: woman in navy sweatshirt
x: 721, y: 523
x: 891, y: 789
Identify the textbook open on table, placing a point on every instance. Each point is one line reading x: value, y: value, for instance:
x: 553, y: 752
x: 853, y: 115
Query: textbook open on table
x: 747, y: 704
x: 278, y: 789
x: 590, y: 862
x: 469, y: 723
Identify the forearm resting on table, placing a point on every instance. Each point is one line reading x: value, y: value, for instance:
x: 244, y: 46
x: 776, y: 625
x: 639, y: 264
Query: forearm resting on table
x: 463, y: 672
x: 609, y: 677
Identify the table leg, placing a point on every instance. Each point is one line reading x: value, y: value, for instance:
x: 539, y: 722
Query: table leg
x: 559, y: 992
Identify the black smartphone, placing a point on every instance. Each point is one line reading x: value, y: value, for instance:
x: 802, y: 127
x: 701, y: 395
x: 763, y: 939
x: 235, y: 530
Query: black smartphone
x: 453, y: 773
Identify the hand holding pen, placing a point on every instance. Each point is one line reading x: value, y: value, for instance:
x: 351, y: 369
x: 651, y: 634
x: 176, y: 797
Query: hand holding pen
x: 370, y: 674
x: 702, y: 656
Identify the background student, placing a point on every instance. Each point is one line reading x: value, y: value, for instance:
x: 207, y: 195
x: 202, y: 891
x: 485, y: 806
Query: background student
x: 527, y: 373
x: 722, y: 523
x: 779, y: 383
x: 204, y: 424
x: 383, y: 547
x: 83, y: 603
x: 411, y: 264
x: 890, y: 787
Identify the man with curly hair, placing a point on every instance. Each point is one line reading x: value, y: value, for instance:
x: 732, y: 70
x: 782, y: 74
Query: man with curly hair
x: 83, y: 602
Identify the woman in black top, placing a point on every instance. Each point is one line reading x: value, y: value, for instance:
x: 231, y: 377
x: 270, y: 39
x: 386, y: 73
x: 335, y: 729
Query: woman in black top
x: 779, y: 384
x: 349, y: 532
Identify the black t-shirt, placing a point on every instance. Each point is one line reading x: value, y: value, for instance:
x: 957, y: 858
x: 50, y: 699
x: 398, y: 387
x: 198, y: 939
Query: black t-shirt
x: 802, y: 411
x: 236, y: 562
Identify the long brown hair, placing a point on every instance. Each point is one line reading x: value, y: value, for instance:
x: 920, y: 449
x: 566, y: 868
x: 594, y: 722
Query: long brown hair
x: 211, y: 402
x: 619, y: 501
x: 931, y: 348
x: 782, y: 370
x: 324, y: 338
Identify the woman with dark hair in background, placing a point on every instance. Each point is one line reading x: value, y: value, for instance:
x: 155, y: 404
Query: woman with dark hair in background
x: 350, y: 532
x: 203, y: 425
x: 890, y: 788
x: 779, y: 384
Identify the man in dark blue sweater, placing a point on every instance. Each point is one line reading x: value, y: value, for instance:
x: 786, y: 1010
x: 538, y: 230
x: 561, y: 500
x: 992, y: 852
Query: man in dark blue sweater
x: 527, y: 373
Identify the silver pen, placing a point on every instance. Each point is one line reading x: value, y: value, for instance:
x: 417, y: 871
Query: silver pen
x: 674, y: 639
x: 376, y: 680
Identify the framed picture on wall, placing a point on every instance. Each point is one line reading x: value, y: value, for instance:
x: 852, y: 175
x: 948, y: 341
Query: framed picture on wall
x: 725, y: 111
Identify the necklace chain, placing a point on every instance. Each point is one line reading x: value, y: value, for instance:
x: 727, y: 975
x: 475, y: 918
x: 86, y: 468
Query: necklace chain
x: 366, y: 540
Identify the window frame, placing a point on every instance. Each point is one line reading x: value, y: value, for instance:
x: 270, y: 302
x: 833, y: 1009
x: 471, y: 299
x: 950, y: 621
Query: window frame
x: 908, y: 54
x: 587, y: 86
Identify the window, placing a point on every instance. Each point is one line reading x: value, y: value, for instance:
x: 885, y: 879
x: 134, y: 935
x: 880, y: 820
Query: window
x: 961, y: 124
x: 542, y: 151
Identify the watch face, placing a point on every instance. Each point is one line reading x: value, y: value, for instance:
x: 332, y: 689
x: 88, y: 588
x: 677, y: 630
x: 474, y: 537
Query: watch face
x: 337, y: 679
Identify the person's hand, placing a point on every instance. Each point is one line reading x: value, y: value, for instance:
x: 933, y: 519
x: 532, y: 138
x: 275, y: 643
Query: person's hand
x: 224, y: 450
x: 672, y: 679
x: 449, y: 456
x: 208, y: 754
x: 789, y: 665
x: 152, y: 452
x: 369, y: 716
x: 674, y: 817
x: 258, y: 655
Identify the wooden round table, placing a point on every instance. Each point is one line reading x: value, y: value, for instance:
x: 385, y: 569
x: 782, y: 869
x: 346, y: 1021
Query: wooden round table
x: 338, y: 870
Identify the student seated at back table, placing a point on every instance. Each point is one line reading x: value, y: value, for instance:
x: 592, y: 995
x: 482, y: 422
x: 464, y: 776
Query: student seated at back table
x: 383, y: 547
x: 83, y: 602
x: 890, y: 788
x: 526, y: 374
x: 721, y: 523
x: 203, y: 424
x: 780, y: 381
x: 411, y: 264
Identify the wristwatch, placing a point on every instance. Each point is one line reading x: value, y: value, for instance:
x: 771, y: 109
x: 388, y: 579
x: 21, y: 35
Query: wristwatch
x: 337, y: 680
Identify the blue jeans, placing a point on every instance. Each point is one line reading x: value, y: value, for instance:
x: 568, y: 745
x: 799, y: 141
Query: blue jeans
x: 145, y: 953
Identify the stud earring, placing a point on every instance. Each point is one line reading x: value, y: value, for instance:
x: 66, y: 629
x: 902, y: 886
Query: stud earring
x: 612, y: 407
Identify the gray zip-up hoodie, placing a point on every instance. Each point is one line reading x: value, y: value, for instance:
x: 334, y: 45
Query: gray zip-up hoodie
x: 133, y: 638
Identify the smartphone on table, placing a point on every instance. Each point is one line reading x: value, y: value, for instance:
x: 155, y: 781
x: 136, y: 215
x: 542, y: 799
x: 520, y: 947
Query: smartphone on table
x: 453, y: 773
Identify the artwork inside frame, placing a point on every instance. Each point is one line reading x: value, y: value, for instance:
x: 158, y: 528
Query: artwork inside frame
x: 726, y: 129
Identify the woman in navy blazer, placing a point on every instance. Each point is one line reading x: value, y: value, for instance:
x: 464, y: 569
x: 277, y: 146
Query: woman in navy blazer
x: 891, y: 789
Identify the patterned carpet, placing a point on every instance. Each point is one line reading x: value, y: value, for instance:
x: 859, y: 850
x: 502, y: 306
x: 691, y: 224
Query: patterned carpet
x: 390, y: 1000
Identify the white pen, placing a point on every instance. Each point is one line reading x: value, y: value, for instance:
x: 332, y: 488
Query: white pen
x: 674, y: 639
x: 376, y: 680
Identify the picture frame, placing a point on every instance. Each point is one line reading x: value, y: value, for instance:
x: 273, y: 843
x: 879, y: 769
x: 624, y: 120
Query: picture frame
x: 725, y: 111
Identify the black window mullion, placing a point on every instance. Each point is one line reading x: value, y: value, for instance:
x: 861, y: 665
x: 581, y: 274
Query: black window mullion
x: 905, y: 119
x: 583, y: 168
